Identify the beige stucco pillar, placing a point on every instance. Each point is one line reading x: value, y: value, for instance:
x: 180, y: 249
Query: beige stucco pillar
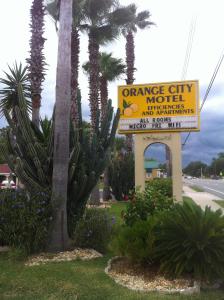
x: 173, y: 141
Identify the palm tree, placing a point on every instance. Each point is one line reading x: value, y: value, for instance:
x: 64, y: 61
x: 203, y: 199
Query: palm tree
x: 36, y: 62
x: 136, y: 20
x: 9, y: 94
x: 100, y: 30
x: 58, y: 239
x: 110, y: 69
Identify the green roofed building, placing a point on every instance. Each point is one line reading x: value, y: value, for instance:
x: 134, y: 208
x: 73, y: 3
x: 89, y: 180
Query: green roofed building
x: 151, y: 169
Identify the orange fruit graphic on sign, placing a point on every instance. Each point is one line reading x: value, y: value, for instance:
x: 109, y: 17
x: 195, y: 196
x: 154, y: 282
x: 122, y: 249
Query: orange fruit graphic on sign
x: 128, y: 112
x: 134, y: 107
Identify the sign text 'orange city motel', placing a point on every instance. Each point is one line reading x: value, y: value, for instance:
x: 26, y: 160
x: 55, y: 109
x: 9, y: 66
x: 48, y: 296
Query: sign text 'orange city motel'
x: 159, y: 107
x: 159, y: 111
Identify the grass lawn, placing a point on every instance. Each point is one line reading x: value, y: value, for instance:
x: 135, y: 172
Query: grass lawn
x: 188, y: 199
x: 116, y: 210
x: 196, y: 188
x: 72, y: 280
x: 220, y: 202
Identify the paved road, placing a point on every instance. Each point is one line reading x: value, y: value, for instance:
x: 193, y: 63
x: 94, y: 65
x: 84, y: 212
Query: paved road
x: 215, y: 187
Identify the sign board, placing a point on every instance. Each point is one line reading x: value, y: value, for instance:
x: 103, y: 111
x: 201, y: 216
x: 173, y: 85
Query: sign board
x: 159, y: 107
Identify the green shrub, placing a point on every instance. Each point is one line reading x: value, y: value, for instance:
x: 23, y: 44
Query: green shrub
x: 136, y: 242
x: 164, y: 185
x: 121, y: 175
x: 190, y: 240
x: 94, y: 230
x: 145, y: 204
x: 24, y: 220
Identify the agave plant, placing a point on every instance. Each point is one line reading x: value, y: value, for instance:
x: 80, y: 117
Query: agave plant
x: 9, y: 93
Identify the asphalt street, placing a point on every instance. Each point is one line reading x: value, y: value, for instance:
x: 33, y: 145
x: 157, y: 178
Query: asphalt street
x: 212, y: 186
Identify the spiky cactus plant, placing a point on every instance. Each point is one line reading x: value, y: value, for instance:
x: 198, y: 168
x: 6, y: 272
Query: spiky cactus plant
x: 27, y: 152
x: 30, y: 155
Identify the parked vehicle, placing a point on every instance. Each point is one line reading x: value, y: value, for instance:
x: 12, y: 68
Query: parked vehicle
x: 6, y: 184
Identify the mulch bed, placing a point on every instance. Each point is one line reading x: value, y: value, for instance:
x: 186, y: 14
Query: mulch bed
x: 138, y: 277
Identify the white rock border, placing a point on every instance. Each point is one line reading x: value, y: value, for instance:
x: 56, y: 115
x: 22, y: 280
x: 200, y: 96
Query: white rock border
x: 195, y: 289
x: 77, y: 253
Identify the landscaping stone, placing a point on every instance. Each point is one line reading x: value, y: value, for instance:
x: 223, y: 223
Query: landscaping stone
x: 4, y: 249
x: 157, y: 284
x: 78, y: 253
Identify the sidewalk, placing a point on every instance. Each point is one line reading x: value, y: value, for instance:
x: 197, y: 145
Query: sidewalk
x: 202, y: 198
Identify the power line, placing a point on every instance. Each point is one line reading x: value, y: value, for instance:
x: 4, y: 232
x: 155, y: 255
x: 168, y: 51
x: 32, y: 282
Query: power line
x: 189, y: 47
x: 208, y: 88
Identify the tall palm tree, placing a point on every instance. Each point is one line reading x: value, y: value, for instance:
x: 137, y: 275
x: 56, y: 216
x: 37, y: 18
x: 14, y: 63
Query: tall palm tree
x: 58, y: 239
x: 136, y: 20
x: 9, y: 93
x: 100, y: 30
x: 36, y: 62
x: 111, y: 69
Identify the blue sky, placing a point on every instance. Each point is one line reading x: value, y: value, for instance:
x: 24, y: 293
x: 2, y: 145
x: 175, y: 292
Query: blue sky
x: 160, y: 53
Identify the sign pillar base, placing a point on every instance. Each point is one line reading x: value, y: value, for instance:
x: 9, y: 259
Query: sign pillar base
x: 173, y: 141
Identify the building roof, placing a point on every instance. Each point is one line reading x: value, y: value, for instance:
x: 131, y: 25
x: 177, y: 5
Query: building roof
x: 4, y: 169
x: 151, y: 164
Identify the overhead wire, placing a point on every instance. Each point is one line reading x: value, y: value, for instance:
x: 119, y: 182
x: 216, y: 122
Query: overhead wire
x: 189, y: 47
x: 208, y: 88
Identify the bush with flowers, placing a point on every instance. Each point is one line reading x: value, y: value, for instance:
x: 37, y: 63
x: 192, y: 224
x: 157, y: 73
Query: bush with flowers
x: 24, y: 219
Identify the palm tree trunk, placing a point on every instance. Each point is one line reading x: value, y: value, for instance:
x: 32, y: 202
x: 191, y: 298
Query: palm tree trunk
x: 103, y: 95
x: 74, y: 75
x: 36, y: 62
x: 104, y: 99
x: 59, y: 239
x: 130, y: 61
x: 93, y: 79
x: 130, y: 58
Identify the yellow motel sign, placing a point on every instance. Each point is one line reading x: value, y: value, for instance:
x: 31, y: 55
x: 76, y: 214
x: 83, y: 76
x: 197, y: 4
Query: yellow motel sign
x: 159, y: 107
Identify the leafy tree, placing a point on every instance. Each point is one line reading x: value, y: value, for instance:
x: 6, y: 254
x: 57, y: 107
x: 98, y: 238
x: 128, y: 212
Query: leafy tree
x: 217, y: 165
x: 36, y: 62
x: 195, y: 168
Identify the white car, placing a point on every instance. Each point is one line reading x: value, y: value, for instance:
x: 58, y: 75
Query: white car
x: 8, y: 184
